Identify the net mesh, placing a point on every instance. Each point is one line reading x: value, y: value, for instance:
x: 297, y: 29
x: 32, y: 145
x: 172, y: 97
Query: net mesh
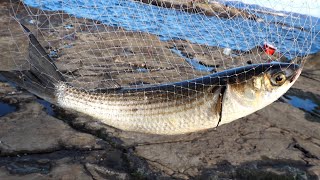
x: 143, y: 42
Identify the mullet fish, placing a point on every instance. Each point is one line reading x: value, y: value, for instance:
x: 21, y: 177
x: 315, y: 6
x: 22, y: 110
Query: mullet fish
x: 173, y: 108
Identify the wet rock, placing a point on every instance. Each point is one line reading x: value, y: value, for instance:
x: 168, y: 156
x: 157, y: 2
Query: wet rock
x: 98, y: 172
x: 263, y: 134
x: 67, y: 164
x: 214, y: 56
x: 5, y: 88
x: 39, y: 132
x: 56, y: 165
x: 279, y: 141
x: 12, y: 96
x: 315, y: 171
x: 202, y: 7
x: 4, y: 174
x: 267, y: 169
x: 66, y: 172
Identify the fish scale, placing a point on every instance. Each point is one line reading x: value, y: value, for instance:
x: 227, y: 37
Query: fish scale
x: 171, y: 117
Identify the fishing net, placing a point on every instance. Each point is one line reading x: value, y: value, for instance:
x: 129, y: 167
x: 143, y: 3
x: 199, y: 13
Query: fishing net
x: 103, y: 43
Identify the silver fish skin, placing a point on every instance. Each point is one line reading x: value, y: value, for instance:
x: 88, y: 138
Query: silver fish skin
x: 168, y: 109
x: 176, y: 109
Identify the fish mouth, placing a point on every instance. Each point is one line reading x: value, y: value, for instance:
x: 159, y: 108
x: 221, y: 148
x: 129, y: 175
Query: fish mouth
x: 296, y: 75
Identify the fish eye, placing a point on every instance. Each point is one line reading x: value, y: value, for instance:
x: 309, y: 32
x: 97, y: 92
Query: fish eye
x: 278, y: 79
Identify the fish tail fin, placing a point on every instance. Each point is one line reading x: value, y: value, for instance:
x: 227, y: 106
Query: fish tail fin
x: 43, y: 75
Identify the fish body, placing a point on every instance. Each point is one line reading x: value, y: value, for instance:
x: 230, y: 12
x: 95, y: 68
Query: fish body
x: 156, y: 112
x: 176, y: 108
x: 173, y: 108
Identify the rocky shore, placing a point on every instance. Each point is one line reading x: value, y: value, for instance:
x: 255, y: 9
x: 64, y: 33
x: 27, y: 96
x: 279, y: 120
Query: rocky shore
x: 41, y: 141
x: 202, y: 7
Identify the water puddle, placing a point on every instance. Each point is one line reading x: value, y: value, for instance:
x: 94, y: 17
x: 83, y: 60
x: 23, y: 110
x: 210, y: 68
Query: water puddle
x: 6, y: 109
x: 305, y: 104
x: 194, y: 63
x: 69, y: 26
x: 263, y: 169
x: 68, y: 46
x: 142, y: 70
x: 53, y: 54
x: 47, y: 106
x: 27, y: 167
x: 2, y: 79
x: 304, y: 100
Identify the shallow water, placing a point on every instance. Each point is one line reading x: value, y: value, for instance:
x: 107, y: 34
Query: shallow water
x: 2, y: 79
x: 142, y: 70
x: 6, y: 109
x: 237, y: 33
x: 304, y: 104
x: 47, y: 106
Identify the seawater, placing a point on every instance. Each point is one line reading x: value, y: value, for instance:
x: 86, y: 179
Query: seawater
x: 236, y: 33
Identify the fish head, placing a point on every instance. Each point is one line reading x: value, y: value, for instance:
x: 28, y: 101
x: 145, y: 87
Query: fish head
x: 272, y: 83
x: 257, y: 87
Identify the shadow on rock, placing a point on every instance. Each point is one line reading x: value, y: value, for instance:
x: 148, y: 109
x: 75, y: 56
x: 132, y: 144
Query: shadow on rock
x: 266, y: 169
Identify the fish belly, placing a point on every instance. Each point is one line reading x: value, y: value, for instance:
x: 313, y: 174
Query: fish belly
x: 163, y: 117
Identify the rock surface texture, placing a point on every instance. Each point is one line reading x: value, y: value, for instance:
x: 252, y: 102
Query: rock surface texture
x: 202, y: 7
x: 41, y: 141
